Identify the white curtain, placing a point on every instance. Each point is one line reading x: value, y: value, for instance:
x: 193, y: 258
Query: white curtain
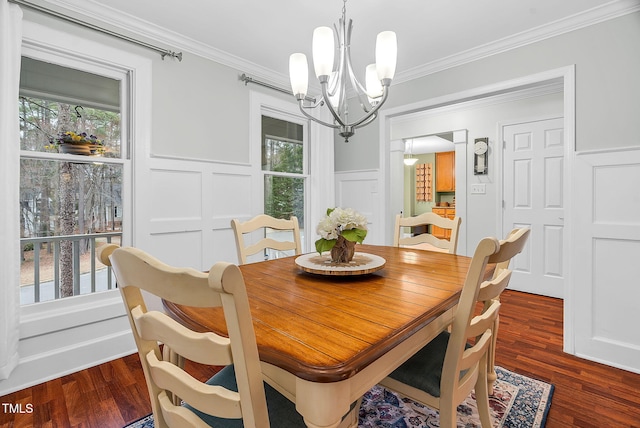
x: 10, y: 41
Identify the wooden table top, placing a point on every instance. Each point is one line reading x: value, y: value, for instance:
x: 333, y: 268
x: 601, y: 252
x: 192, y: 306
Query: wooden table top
x: 327, y: 328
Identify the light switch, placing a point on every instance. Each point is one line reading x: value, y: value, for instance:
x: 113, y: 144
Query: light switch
x: 478, y: 189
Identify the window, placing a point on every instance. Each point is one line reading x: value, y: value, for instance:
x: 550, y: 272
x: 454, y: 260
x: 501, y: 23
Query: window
x: 70, y: 198
x: 284, y: 169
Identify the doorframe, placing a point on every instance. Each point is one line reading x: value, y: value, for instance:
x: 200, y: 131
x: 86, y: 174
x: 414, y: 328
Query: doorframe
x: 567, y: 76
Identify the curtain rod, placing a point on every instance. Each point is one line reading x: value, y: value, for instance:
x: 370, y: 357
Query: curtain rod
x: 247, y: 79
x: 162, y: 52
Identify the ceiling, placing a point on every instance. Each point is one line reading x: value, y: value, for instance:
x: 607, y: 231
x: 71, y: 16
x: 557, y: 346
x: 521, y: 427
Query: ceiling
x: 429, y: 144
x: 257, y: 36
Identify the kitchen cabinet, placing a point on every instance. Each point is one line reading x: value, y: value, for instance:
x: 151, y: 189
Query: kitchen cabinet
x: 446, y: 212
x: 446, y: 172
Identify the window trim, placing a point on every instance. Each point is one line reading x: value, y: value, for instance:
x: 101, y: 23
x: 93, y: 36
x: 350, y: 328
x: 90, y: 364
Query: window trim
x: 101, y: 331
x: 320, y: 182
x: 134, y: 72
x: 118, y: 74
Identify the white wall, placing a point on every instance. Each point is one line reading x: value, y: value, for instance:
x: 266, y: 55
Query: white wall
x: 193, y: 170
x: 604, y: 117
x: 606, y: 252
x: 607, y: 105
x: 480, y: 119
x: 199, y: 112
x: 606, y: 68
x: 59, y: 337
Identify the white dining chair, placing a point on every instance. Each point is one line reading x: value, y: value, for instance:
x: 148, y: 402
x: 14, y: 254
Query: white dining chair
x: 266, y: 222
x: 443, y: 373
x: 427, y: 219
x: 234, y: 397
x: 490, y: 290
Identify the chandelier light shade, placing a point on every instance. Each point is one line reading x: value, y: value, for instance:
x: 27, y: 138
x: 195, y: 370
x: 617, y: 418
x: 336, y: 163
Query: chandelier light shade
x: 299, y: 72
x: 323, y: 51
x: 386, y: 54
x: 334, y: 76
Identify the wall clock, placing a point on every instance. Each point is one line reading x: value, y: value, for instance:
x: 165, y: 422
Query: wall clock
x: 480, y: 158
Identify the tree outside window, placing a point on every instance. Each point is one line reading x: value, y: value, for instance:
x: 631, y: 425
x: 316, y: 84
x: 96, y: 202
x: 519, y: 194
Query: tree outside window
x: 283, y: 166
x: 62, y: 197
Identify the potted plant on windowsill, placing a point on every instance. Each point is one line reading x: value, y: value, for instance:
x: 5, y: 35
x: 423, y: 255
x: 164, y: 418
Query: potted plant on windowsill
x: 78, y: 144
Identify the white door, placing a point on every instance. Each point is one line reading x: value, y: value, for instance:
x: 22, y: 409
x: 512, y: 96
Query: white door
x: 533, y: 171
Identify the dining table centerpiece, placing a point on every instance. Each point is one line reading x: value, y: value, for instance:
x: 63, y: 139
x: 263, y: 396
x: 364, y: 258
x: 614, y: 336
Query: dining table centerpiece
x: 339, y: 232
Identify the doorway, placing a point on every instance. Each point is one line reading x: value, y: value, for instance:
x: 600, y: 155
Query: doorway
x: 420, y: 152
x: 565, y: 78
x: 429, y: 175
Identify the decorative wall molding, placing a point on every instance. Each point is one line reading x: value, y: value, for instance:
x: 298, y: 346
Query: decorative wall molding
x: 66, y: 335
x: 607, y: 213
x: 360, y: 190
x: 593, y: 16
x: 112, y: 18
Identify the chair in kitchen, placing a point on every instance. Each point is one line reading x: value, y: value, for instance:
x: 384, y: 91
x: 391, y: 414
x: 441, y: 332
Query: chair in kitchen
x: 236, y: 396
x: 444, y: 372
x: 266, y: 222
x: 428, y: 219
x: 490, y: 290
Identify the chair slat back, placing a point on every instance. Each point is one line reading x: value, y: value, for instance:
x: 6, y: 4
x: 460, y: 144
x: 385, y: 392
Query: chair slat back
x: 223, y: 287
x: 264, y: 221
x: 459, y: 357
x: 509, y: 248
x: 425, y: 219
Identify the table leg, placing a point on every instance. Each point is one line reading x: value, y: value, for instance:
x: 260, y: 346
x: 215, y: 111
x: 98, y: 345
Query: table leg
x: 322, y: 405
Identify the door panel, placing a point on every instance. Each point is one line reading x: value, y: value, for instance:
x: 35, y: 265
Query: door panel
x: 533, y: 170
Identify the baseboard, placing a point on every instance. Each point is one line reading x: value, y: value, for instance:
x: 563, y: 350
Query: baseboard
x: 48, y: 365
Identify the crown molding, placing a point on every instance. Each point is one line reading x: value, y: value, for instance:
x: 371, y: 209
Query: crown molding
x: 121, y: 22
x: 605, y: 12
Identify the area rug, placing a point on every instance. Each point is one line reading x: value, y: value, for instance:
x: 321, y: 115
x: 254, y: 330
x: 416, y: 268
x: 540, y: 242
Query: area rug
x: 517, y: 402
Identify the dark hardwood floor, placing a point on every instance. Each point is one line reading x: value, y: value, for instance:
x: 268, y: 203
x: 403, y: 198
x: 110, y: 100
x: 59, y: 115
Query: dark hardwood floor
x: 587, y: 394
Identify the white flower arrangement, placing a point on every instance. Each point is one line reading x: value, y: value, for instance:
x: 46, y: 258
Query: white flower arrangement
x: 344, y: 222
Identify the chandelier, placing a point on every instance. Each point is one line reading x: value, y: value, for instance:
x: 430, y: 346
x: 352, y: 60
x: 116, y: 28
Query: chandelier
x: 334, y: 81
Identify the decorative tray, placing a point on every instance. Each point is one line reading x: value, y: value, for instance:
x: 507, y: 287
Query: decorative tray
x: 362, y: 264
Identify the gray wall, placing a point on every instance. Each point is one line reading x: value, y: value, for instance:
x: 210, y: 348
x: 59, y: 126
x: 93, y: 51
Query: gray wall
x: 607, y: 86
x: 481, y: 121
x: 200, y: 108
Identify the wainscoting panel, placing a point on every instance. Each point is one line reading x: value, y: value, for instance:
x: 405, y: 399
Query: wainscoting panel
x: 606, y: 254
x: 230, y: 198
x: 221, y: 248
x: 359, y: 190
x: 174, y: 203
x: 180, y: 248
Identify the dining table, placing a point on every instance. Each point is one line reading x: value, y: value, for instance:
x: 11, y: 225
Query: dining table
x: 326, y: 336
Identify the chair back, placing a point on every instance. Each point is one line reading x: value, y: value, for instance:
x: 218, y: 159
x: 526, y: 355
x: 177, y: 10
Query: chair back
x: 167, y: 382
x: 509, y: 248
x: 464, y: 363
x: 264, y: 221
x: 449, y: 245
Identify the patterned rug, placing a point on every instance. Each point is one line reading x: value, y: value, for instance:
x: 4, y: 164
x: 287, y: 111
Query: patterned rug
x: 517, y: 402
